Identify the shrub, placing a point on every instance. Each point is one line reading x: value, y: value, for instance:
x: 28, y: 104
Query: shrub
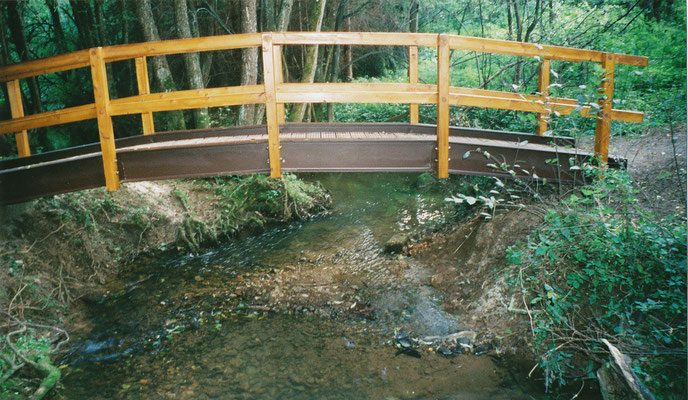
x: 602, y: 268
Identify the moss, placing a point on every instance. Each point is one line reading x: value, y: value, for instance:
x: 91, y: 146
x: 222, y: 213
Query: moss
x: 249, y: 202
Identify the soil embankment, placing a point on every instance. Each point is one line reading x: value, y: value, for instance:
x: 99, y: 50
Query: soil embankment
x: 58, y: 250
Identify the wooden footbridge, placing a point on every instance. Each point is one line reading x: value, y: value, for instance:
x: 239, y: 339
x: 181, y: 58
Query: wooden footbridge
x: 278, y: 146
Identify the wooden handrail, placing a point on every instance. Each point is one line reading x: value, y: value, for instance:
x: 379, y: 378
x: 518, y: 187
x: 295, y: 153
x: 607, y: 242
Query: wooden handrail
x: 543, y: 51
x: 418, y: 93
x: 80, y: 59
x: 274, y: 92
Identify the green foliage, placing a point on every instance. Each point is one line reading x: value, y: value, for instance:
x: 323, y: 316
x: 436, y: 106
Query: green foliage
x: 82, y: 208
x: 623, y: 27
x: 250, y: 201
x: 603, y: 268
x: 35, y: 349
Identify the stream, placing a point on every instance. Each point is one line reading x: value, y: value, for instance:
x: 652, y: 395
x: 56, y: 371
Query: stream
x: 180, y: 327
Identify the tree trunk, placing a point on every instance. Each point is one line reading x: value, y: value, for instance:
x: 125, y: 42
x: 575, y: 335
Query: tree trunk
x: 100, y: 23
x: 102, y: 37
x: 84, y: 25
x: 128, y: 85
x: 249, y: 59
x: 519, y: 37
x: 19, y: 38
x: 315, y: 16
x: 284, y: 15
x: 536, y: 18
x: 509, y: 20
x: 281, y: 25
x: 348, y: 55
x: 334, y: 65
x: 413, y: 16
x: 4, y: 60
x: 160, y: 66
x: 206, y: 58
x: 59, y: 36
x: 191, y: 62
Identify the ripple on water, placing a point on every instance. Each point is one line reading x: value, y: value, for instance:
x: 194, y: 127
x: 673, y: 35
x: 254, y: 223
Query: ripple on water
x: 165, y: 332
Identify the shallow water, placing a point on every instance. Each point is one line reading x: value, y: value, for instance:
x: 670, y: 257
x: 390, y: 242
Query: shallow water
x: 174, y: 328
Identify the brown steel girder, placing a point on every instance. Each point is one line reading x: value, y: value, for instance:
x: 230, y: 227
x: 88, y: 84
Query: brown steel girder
x: 242, y: 150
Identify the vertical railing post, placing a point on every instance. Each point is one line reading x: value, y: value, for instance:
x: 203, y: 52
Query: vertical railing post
x: 17, y: 110
x: 279, y: 78
x: 102, y: 101
x: 543, y: 89
x: 413, y: 78
x: 271, y: 107
x: 443, y: 106
x: 603, y: 122
x: 144, y: 88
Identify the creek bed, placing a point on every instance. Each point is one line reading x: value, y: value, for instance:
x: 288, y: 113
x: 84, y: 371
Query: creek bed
x: 178, y: 327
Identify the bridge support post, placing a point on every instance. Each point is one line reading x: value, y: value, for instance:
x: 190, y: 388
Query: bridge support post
x: 143, y: 84
x: 443, y: 106
x: 543, y: 89
x: 17, y: 110
x: 271, y: 114
x: 604, y: 117
x: 413, y: 78
x: 102, y: 102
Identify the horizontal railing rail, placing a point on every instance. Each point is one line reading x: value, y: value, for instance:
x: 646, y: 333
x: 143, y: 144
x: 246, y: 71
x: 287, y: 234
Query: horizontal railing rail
x: 274, y: 93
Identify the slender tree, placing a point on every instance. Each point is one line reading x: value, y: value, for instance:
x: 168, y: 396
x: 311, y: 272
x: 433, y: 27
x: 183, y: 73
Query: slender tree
x: 58, y: 31
x: 160, y: 66
x: 14, y: 22
x: 348, y: 56
x: 316, y: 13
x: 249, y: 59
x: 333, y: 74
x: 191, y: 62
x: 281, y: 25
x: 83, y: 19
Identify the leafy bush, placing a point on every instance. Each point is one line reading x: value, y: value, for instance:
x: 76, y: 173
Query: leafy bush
x: 602, y: 268
x: 26, y: 349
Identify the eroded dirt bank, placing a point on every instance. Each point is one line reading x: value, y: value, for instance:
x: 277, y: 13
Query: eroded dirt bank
x: 57, y: 251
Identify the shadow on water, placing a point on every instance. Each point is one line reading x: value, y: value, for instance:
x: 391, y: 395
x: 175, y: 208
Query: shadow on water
x: 174, y: 328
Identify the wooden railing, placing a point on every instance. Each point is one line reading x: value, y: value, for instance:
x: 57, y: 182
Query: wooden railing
x: 274, y: 92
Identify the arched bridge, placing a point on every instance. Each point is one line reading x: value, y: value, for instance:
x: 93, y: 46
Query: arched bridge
x: 278, y: 146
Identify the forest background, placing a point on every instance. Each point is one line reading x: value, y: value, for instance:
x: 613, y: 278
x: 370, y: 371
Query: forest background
x: 41, y: 28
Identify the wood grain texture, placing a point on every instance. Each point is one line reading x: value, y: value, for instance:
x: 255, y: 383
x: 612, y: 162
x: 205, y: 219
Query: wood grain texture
x: 48, y: 65
x: 603, y: 122
x: 17, y: 110
x: 143, y: 84
x: 49, y: 118
x: 105, y: 130
x: 279, y: 78
x: 356, y: 38
x: 542, y: 51
x: 543, y: 90
x: 413, y: 78
x: 271, y: 107
x: 188, y: 99
x: 180, y: 46
x: 443, y: 84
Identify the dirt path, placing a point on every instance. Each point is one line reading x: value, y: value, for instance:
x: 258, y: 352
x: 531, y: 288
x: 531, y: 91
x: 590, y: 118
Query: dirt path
x: 652, y: 165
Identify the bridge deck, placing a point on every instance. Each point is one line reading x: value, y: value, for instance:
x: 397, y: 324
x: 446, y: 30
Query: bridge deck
x: 305, y: 148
